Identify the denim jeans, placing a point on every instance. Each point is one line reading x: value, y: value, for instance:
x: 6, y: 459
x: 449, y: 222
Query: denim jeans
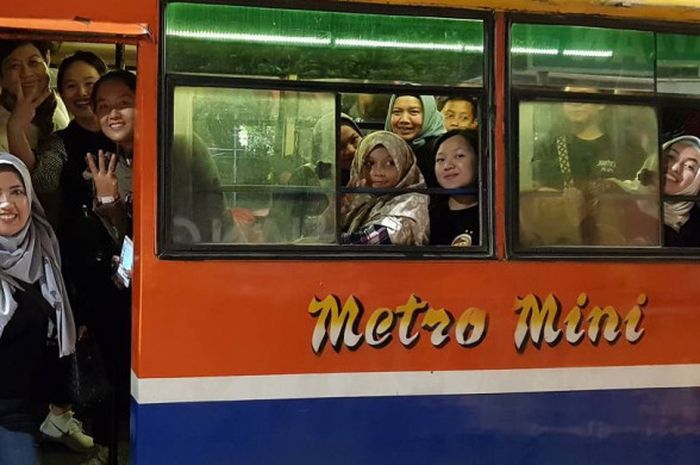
x: 17, y: 448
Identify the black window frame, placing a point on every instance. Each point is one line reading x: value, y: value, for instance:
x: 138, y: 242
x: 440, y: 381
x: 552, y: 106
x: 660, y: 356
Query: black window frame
x: 660, y: 101
x: 166, y: 249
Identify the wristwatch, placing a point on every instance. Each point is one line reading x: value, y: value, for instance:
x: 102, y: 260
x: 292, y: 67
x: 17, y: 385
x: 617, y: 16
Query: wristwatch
x: 106, y: 199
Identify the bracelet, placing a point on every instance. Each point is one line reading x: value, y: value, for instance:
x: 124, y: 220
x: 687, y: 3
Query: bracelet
x: 106, y: 199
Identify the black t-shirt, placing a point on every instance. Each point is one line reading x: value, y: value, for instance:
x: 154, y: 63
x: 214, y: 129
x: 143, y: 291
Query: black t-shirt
x: 589, y: 160
x: 689, y: 234
x: 453, y: 227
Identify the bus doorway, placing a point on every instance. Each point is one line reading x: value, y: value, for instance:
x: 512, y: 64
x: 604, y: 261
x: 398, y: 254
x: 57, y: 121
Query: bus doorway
x: 81, y: 411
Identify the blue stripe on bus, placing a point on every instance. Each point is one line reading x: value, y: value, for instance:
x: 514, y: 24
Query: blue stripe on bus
x: 641, y: 427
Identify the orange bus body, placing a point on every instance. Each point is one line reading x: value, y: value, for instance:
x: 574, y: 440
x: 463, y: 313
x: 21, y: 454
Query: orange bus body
x: 244, y: 320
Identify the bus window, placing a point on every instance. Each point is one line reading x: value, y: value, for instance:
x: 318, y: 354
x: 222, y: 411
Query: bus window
x: 323, y: 45
x: 556, y: 56
x: 587, y: 176
x: 261, y: 167
x: 267, y: 159
x: 450, y: 162
x: 597, y: 167
x: 678, y: 64
x: 257, y: 148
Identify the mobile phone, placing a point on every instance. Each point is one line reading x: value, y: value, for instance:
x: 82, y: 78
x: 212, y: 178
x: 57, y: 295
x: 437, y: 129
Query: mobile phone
x: 126, y: 261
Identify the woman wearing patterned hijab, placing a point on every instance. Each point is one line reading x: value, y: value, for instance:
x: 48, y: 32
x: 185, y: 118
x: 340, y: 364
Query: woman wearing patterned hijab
x: 416, y: 119
x: 384, y: 161
x: 33, y: 304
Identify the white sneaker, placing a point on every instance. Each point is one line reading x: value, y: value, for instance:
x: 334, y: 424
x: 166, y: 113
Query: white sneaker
x: 67, y: 430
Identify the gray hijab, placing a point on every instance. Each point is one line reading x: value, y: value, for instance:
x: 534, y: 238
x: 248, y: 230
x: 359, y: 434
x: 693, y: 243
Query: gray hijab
x: 31, y: 256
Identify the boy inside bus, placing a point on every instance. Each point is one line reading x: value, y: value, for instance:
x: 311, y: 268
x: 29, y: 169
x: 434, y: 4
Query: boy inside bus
x: 459, y: 113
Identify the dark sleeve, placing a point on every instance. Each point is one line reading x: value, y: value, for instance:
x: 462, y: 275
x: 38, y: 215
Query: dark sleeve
x: 115, y: 217
x: 545, y: 165
x: 50, y: 158
x: 208, y: 200
x: 198, y: 211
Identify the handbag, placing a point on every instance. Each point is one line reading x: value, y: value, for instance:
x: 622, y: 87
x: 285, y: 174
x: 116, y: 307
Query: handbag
x: 78, y: 378
x: 88, y: 374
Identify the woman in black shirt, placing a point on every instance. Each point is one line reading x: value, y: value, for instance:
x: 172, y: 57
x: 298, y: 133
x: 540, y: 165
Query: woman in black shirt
x: 454, y: 219
x: 34, y: 303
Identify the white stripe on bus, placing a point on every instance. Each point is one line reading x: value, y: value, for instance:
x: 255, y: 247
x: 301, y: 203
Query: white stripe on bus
x: 411, y: 383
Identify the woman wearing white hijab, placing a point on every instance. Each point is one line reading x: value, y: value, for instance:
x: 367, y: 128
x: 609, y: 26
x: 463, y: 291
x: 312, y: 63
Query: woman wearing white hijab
x: 681, y: 157
x: 33, y: 305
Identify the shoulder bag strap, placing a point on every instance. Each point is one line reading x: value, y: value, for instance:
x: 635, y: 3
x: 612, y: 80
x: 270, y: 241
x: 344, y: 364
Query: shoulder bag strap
x: 564, y: 161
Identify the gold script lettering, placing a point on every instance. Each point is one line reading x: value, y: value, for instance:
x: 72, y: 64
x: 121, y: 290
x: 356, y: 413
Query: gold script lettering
x: 379, y: 326
x: 633, y: 320
x: 439, y: 322
x: 331, y: 323
x: 408, y: 314
x: 536, y: 320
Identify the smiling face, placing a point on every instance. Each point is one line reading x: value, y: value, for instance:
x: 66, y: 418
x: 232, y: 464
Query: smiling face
x: 407, y: 117
x: 25, y: 67
x: 681, y: 162
x: 455, y: 163
x: 114, y: 107
x: 14, y: 203
x: 380, y: 169
x: 76, y: 89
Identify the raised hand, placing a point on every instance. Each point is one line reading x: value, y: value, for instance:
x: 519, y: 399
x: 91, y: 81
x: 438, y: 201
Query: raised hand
x: 26, y: 105
x: 103, y: 173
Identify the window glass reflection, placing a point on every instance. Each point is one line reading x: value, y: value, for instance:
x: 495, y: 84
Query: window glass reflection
x: 323, y: 45
x: 274, y: 160
x: 604, y: 59
x: 678, y: 64
x: 588, y: 175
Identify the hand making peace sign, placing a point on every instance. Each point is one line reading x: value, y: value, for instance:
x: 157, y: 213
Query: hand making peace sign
x: 26, y: 105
